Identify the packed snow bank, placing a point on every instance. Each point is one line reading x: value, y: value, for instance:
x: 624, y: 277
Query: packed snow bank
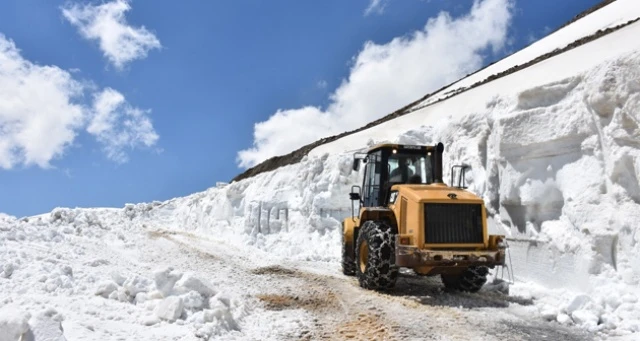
x: 293, y: 212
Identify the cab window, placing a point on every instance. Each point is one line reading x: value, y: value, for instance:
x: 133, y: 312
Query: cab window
x: 409, y: 168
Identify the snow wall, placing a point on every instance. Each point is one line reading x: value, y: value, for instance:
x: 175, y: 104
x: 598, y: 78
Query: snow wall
x: 558, y: 164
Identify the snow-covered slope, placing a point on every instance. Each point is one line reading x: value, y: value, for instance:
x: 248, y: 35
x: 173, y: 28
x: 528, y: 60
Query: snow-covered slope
x: 617, y: 13
x: 554, y: 150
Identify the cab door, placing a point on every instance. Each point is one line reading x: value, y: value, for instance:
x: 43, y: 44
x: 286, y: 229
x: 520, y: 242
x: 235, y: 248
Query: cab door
x: 372, y: 178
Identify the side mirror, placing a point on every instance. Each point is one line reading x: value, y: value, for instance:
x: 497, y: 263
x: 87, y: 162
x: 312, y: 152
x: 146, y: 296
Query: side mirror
x: 461, y: 176
x: 355, y: 196
x: 356, y: 160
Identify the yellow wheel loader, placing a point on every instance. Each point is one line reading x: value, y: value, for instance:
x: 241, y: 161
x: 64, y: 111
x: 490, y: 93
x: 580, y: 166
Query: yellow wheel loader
x: 407, y: 217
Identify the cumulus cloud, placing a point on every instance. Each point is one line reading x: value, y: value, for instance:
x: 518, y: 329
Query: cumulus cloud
x: 385, y: 77
x: 39, y: 115
x: 120, y: 42
x: 375, y: 6
x: 291, y: 128
x: 42, y: 111
x: 117, y: 125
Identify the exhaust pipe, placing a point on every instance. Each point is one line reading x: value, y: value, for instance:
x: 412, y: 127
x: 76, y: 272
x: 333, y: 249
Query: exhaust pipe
x: 439, y: 149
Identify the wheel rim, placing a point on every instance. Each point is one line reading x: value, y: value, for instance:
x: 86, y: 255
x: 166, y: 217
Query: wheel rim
x: 363, y: 255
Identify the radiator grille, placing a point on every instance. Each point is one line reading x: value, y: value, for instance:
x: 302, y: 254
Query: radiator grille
x: 453, y: 223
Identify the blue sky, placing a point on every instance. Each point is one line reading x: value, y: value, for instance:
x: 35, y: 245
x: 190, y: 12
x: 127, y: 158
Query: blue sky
x: 106, y: 103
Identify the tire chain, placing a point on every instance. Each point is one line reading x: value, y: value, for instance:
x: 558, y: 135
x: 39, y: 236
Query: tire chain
x: 380, y: 272
x: 471, y: 280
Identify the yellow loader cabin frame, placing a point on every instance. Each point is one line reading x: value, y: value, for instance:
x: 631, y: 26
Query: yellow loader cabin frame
x: 407, y: 217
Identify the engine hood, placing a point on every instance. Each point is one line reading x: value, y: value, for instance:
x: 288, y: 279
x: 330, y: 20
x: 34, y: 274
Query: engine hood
x: 436, y: 192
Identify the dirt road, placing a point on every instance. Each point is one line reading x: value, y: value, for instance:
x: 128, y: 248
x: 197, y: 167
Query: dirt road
x: 314, y: 301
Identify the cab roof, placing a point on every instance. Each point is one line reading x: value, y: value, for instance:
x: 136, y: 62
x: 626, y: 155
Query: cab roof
x: 400, y: 147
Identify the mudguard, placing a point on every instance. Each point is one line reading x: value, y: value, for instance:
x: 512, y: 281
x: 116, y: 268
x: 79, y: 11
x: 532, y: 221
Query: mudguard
x: 351, y: 225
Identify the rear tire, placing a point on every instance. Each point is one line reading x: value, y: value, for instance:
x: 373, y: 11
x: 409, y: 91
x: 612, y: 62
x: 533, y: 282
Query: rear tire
x: 348, y: 259
x: 471, y: 280
x: 375, y: 256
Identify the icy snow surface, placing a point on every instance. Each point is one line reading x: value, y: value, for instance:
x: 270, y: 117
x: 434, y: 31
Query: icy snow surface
x: 555, y: 153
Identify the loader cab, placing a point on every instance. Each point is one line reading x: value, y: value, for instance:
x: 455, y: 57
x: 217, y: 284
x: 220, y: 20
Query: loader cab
x: 387, y: 165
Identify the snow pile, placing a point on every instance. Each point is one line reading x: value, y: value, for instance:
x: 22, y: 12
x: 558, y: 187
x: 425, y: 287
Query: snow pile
x: 13, y: 323
x: 172, y: 296
x: 17, y: 325
x: 89, y: 265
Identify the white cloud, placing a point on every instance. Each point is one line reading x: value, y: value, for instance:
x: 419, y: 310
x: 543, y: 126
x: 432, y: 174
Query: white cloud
x: 376, y: 6
x: 386, y: 77
x: 290, y: 128
x: 117, y: 125
x: 41, y: 113
x: 120, y: 42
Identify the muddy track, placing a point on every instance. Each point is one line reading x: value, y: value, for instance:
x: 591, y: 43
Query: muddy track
x: 341, y: 313
x: 417, y: 309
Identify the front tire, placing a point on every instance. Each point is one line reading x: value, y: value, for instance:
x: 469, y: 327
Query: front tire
x: 471, y: 280
x: 375, y: 256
